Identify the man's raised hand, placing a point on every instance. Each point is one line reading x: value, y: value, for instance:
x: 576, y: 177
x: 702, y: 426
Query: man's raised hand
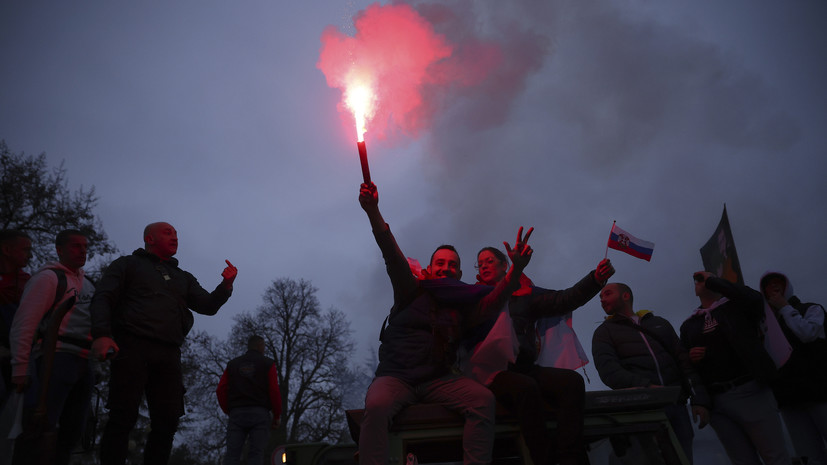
x: 368, y: 196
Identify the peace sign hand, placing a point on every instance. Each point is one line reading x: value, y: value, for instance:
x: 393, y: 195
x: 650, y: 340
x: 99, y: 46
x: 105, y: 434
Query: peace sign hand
x: 520, y: 255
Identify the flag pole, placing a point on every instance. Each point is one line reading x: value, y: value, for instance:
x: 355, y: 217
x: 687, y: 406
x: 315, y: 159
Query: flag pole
x: 606, y: 255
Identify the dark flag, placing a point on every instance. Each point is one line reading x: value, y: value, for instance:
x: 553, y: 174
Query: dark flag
x: 719, y: 255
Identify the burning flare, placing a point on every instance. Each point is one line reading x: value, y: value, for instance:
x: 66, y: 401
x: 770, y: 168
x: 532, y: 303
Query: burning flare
x: 361, y: 101
x: 384, y: 67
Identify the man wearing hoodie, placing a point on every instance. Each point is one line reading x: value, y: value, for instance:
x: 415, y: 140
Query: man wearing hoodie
x: 801, y: 385
x: 640, y: 350
x: 70, y: 385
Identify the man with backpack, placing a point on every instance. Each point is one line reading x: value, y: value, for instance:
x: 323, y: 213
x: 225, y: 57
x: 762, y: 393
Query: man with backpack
x: 801, y: 385
x: 71, y: 380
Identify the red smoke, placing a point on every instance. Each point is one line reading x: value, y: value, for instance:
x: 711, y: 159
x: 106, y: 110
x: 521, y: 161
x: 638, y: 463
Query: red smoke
x: 407, y: 65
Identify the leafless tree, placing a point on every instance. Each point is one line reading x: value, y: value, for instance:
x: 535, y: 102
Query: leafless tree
x: 37, y: 200
x: 312, y: 350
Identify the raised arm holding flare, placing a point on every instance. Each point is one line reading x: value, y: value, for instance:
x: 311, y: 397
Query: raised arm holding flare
x: 419, y: 339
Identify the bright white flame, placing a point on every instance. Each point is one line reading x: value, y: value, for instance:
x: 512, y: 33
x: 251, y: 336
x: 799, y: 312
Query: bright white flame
x: 360, y: 99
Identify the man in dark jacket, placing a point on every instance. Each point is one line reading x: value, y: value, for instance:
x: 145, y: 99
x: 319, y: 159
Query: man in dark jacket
x: 641, y: 350
x: 523, y: 385
x: 801, y: 385
x: 248, y: 391
x: 140, y: 316
x: 725, y: 343
x: 419, y: 341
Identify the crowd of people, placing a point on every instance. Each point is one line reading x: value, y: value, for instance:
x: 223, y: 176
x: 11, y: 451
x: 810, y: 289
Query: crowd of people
x: 136, y: 316
x: 437, y: 345
x: 433, y: 344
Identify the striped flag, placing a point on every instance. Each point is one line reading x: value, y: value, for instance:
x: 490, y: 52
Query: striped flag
x: 625, y: 242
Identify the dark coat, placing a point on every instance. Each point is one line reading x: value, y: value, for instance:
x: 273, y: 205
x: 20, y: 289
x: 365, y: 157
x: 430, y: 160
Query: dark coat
x: 803, y: 378
x: 734, y: 344
x: 626, y: 356
x: 142, y: 295
x: 526, y: 309
x: 428, y: 318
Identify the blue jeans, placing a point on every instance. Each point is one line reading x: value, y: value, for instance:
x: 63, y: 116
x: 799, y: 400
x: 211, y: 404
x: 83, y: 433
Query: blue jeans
x: 387, y: 396
x: 746, y: 420
x: 247, y: 422
x: 67, y: 400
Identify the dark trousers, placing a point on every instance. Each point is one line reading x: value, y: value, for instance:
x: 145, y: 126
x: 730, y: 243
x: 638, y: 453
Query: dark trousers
x: 143, y: 367
x: 67, y: 404
x: 678, y: 416
x: 523, y: 392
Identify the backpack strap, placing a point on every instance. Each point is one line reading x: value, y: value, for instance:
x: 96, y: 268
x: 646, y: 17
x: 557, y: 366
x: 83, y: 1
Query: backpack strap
x: 60, y: 291
x: 61, y: 285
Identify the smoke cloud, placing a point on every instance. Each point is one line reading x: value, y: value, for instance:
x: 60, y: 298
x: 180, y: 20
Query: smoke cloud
x: 426, y: 59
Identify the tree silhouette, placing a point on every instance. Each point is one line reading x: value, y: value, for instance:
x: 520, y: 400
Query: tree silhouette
x: 38, y: 201
x: 312, y: 350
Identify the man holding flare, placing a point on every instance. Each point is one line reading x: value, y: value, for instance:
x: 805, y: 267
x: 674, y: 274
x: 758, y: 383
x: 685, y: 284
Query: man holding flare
x: 419, y: 341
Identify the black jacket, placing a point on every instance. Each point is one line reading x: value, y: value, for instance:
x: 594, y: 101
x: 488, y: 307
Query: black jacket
x: 803, y: 379
x: 626, y: 356
x: 732, y: 335
x: 142, y: 295
x: 526, y: 309
x: 420, y: 337
x: 249, y: 383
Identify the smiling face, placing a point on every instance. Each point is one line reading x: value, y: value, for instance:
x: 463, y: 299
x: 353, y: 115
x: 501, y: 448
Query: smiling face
x: 444, y: 264
x: 490, y: 268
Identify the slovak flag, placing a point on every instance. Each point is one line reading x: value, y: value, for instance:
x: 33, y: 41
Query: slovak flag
x: 625, y: 242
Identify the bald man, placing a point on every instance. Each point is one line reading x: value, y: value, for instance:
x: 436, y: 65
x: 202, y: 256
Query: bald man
x: 141, y: 313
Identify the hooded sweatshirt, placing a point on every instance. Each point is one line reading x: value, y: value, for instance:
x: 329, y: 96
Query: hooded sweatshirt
x: 38, y: 298
x: 803, y: 378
